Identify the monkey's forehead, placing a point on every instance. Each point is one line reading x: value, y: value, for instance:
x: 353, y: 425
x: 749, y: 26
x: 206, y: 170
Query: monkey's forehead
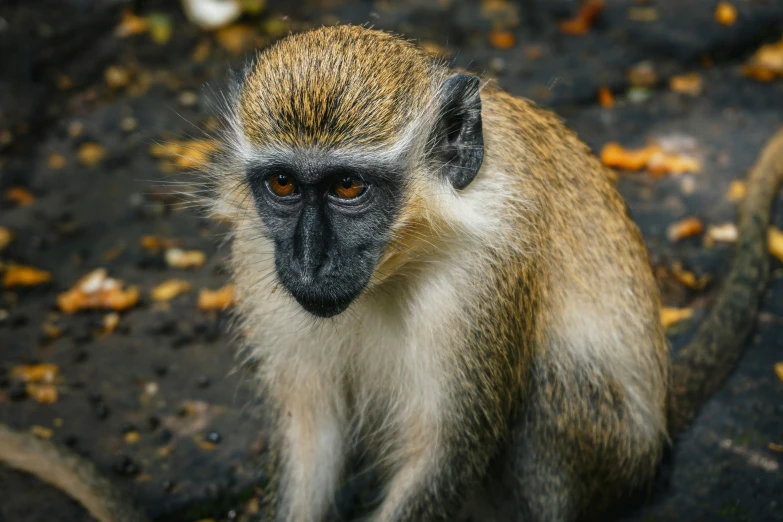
x: 335, y: 86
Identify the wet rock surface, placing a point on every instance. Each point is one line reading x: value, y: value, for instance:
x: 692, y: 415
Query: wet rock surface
x: 169, y: 374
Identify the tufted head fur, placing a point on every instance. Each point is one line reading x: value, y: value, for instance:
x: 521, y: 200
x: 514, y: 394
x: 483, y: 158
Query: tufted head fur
x: 335, y: 86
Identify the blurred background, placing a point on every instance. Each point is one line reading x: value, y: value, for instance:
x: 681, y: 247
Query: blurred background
x: 115, y: 300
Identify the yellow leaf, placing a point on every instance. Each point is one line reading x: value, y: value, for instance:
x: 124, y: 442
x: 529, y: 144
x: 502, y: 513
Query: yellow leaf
x: 669, y: 316
x: 775, y: 242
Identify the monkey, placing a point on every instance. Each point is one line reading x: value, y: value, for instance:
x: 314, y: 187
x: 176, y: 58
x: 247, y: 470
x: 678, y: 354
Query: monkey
x: 441, y: 278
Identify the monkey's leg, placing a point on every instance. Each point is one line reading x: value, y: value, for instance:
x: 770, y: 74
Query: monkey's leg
x: 307, y: 454
x: 577, y: 451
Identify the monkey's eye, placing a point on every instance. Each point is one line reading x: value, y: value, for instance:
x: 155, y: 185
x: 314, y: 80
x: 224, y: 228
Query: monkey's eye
x: 281, y: 185
x: 349, y: 187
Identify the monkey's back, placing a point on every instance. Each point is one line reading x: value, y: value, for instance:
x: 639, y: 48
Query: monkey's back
x: 600, y: 370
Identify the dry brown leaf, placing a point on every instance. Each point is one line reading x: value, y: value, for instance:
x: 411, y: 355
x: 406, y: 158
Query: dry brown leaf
x: 20, y: 195
x: 42, y: 393
x: 170, y: 289
x: 766, y: 64
x: 90, y: 153
x: 178, y: 258
x: 36, y: 373
x: 41, y: 432
x: 116, y: 76
x: 687, y: 227
x: 779, y: 370
x: 652, y: 157
x: 773, y: 446
x: 725, y: 13
x: 6, y: 236
x: 55, y: 161
x: 95, y: 291
x: 737, y: 191
x: 236, y: 38
x: 156, y: 243
x: 584, y: 19
x: 502, y: 39
x: 690, y: 84
x: 775, y: 242
x: 131, y: 24
x: 216, y: 299
x: 643, y: 74
x: 669, y: 315
x: 185, y: 154
x: 688, y: 278
x: 605, y: 98
x: 21, y: 275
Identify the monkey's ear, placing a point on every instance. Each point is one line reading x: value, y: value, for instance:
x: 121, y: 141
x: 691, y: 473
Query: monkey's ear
x: 460, y: 141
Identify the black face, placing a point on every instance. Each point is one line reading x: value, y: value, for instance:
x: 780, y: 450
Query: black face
x: 329, y: 223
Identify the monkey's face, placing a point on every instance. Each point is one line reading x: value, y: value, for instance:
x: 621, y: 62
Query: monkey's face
x: 329, y: 223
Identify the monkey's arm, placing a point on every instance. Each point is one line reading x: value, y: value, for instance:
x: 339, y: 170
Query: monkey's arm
x: 441, y: 460
x: 67, y: 471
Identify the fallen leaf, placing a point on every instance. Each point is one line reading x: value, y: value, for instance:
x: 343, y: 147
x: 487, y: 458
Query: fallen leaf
x: 605, y: 98
x: 156, y: 244
x: 773, y: 446
x: 6, y: 236
x: 725, y: 13
x: 669, y: 316
x: 653, y: 158
x: 170, y: 289
x: 725, y: 233
x: 687, y: 227
x: 110, y: 322
x: 643, y: 74
x: 216, y: 299
x: 737, y: 191
x: 131, y: 437
x: 20, y: 195
x: 766, y: 64
x: 90, y: 153
x: 116, y: 76
x: 203, y: 444
x: 130, y: 25
x: 502, y: 39
x: 42, y: 393
x: 160, y: 28
x: 690, y: 84
x: 95, y: 291
x: 775, y: 242
x: 178, y: 258
x: 584, y: 19
x: 779, y: 370
x: 688, y: 278
x: 41, y: 432
x: 55, y: 161
x: 185, y: 154
x: 21, y: 275
x: 236, y: 38
x: 36, y: 373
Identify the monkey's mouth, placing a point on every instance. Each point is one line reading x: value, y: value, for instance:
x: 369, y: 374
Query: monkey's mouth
x: 321, y: 307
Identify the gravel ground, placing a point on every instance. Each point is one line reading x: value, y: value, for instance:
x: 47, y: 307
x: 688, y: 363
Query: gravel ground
x: 169, y: 373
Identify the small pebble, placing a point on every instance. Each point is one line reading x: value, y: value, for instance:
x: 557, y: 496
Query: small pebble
x: 214, y: 437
